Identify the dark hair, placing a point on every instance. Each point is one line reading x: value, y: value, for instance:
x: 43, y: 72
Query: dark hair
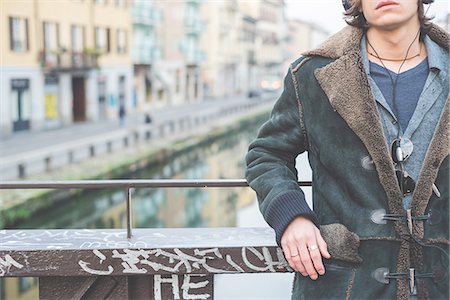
x: 355, y: 17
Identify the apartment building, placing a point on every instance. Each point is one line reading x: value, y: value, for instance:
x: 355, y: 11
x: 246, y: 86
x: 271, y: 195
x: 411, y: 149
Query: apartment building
x: 302, y: 36
x: 245, y: 45
x: 63, y: 62
x: 222, y: 44
x: 272, y: 33
x: 150, y: 90
x: 180, y: 66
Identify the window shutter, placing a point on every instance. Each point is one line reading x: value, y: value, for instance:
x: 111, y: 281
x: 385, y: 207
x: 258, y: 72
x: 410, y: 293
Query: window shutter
x: 125, y: 41
x: 83, y: 38
x: 44, y: 33
x: 11, y: 37
x: 108, y: 40
x: 57, y: 35
x: 27, y: 35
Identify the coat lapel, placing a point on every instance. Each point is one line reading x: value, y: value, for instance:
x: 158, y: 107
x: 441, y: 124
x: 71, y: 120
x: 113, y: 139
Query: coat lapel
x: 345, y: 83
x: 438, y: 150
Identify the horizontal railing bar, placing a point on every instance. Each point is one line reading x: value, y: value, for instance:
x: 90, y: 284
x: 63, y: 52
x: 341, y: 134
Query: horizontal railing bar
x: 128, y: 183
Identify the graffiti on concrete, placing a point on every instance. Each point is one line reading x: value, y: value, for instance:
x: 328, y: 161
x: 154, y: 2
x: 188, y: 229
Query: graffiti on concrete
x: 186, y: 288
x: 139, y: 261
x: 6, y: 263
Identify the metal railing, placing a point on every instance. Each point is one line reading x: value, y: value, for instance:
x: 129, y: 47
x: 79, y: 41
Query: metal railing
x: 128, y: 185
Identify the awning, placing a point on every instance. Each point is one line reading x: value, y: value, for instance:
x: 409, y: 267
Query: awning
x: 160, y: 79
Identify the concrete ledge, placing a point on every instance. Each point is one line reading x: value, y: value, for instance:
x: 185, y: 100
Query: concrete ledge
x: 104, y: 252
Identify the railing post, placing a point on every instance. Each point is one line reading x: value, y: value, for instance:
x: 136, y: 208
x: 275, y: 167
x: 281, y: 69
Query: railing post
x: 129, y: 224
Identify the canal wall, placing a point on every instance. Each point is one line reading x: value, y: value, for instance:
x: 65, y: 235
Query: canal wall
x: 143, y: 153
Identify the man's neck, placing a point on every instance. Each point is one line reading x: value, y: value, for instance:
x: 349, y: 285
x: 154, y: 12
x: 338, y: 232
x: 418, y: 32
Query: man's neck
x: 394, y: 43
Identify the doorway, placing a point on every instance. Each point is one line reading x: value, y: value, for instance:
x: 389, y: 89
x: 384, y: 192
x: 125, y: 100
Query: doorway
x: 79, y: 99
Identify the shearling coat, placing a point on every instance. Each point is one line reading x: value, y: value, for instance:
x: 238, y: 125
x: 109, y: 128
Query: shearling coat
x: 327, y: 109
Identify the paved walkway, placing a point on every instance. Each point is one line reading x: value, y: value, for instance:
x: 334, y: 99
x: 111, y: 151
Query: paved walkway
x: 24, y: 145
x: 23, y: 142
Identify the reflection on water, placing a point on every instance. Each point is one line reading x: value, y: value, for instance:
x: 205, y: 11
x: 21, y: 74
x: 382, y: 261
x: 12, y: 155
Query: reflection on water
x: 168, y: 207
x: 222, y: 158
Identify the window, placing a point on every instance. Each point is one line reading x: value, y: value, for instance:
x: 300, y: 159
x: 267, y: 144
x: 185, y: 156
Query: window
x: 26, y: 283
x: 21, y: 104
x: 77, y: 37
x: 51, y: 36
x: 121, y: 3
x: 121, y: 41
x: 101, y: 2
x: 177, y: 80
x: 102, y: 39
x: 18, y: 32
x: 122, y: 91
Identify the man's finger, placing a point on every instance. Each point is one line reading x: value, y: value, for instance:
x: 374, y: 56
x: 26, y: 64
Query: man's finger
x: 295, y: 260
x: 306, y: 261
x: 322, y: 245
x: 316, y: 258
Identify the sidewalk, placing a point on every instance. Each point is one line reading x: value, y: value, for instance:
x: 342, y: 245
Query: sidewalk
x: 28, y: 153
x: 23, y: 142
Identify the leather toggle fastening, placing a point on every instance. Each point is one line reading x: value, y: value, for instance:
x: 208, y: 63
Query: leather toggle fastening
x: 380, y: 216
x: 409, y: 221
x: 383, y: 275
x: 412, y: 281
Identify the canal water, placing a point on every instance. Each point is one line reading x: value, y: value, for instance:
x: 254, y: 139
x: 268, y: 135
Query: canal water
x: 221, y: 158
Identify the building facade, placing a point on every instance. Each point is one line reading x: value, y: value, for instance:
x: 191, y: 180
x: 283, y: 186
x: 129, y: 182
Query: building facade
x: 64, y: 62
x: 302, y: 36
x: 179, y: 69
x: 271, y: 28
x: 148, y: 89
x: 224, y: 49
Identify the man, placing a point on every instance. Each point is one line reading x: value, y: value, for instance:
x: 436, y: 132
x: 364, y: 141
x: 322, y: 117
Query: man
x: 371, y: 107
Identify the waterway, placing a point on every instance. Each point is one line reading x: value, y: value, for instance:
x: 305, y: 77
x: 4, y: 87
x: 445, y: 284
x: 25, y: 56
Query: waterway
x: 221, y: 158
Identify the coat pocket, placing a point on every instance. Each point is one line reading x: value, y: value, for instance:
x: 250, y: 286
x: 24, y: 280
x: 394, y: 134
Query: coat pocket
x: 336, y: 283
x: 342, y: 243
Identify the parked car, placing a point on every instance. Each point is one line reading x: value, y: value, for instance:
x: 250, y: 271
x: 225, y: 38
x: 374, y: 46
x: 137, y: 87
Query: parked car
x: 271, y: 83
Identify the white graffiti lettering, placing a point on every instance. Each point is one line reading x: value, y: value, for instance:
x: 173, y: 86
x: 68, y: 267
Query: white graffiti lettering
x: 84, y: 265
x: 6, y: 263
x: 134, y: 261
x: 187, y: 285
x: 158, y: 280
x: 130, y: 258
x: 264, y: 257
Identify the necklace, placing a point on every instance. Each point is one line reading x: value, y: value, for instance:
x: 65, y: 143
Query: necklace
x: 394, y: 59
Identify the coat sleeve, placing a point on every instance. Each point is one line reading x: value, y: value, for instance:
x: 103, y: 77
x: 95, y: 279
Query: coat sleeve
x: 270, y: 162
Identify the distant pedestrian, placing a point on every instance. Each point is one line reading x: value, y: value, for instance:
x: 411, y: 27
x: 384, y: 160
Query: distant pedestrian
x: 148, y: 118
x: 122, y: 114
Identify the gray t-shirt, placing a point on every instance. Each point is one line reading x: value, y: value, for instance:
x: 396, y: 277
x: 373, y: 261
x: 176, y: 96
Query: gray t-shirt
x: 409, y: 87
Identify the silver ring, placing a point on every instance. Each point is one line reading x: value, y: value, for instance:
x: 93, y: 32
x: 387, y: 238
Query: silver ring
x: 312, y: 248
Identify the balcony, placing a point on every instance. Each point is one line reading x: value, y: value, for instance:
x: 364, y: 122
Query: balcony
x: 67, y: 61
x: 195, y: 57
x: 145, y: 16
x: 194, y: 26
x: 146, y: 55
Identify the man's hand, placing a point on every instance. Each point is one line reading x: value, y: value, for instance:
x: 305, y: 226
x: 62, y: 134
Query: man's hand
x: 304, y: 247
